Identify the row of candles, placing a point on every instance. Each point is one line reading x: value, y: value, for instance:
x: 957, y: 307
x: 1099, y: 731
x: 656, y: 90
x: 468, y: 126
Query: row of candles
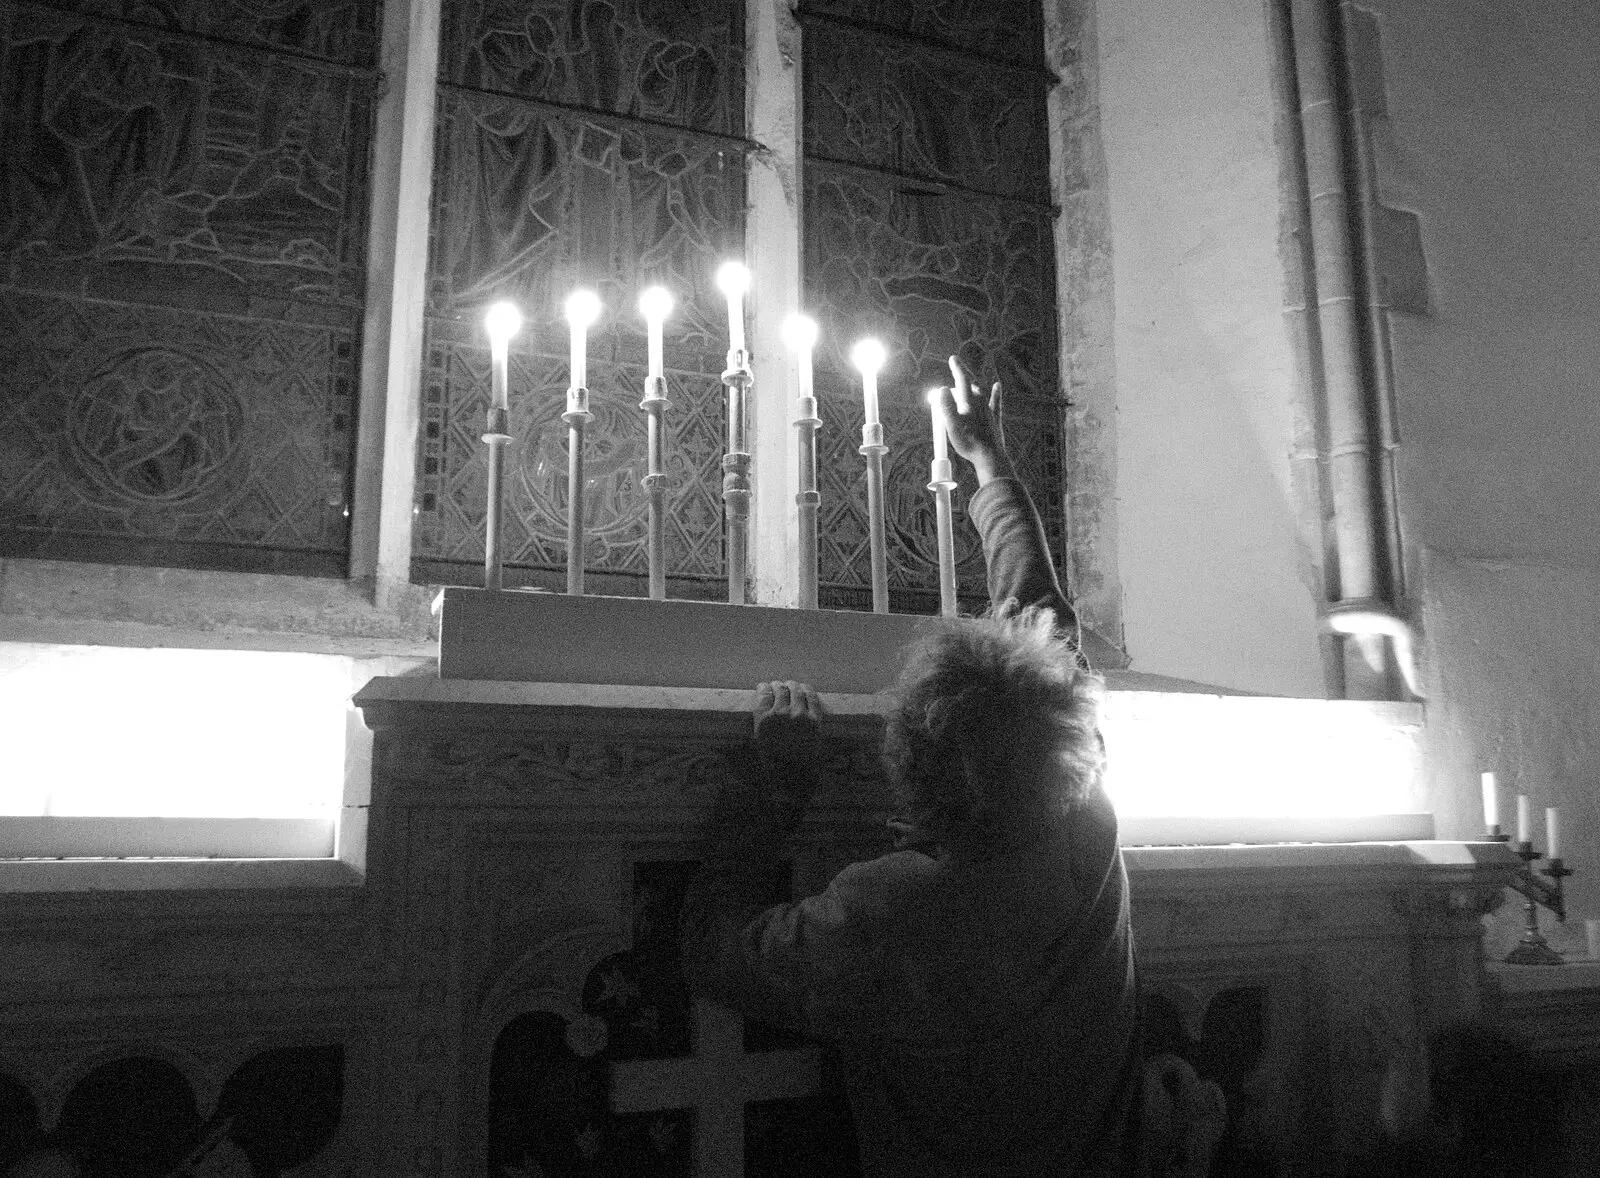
x: 503, y: 321
x: 1491, y: 817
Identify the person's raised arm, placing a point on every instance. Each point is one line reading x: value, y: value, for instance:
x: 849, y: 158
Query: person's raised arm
x: 1014, y: 547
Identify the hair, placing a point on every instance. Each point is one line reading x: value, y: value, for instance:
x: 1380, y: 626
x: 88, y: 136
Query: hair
x: 994, y: 731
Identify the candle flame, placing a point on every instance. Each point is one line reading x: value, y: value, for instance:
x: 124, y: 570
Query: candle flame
x: 933, y: 396
x: 733, y: 278
x: 502, y: 321
x: 800, y: 332
x: 868, y: 356
x: 655, y: 304
x: 583, y: 308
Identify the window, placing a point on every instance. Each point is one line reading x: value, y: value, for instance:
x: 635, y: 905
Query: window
x: 182, y: 257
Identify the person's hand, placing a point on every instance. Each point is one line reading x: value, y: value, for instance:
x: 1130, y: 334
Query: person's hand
x: 788, y: 721
x: 788, y: 726
x: 974, y: 424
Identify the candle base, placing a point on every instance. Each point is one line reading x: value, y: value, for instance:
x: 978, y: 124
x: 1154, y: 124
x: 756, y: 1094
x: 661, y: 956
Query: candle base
x: 873, y: 450
x: 495, y: 437
x: 577, y: 417
x: 1534, y: 950
x: 736, y: 476
x: 655, y: 405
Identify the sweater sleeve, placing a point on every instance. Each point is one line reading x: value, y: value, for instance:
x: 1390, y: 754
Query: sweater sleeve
x: 1016, y: 553
x: 810, y: 965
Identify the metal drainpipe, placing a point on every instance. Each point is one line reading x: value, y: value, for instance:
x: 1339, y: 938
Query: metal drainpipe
x: 1377, y: 316
x: 1358, y: 528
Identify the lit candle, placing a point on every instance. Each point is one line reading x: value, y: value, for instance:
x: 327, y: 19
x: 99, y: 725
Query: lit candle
x: 800, y: 335
x: 583, y: 308
x: 1491, y: 802
x: 941, y: 443
x: 1524, y: 820
x: 1552, y: 832
x: 655, y: 305
x: 941, y: 484
x: 868, y: 356
x: 733, y: 280
x: 502, y: 322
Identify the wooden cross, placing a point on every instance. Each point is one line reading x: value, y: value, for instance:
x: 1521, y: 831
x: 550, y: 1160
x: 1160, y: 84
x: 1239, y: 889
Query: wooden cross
x: 717, y: 1081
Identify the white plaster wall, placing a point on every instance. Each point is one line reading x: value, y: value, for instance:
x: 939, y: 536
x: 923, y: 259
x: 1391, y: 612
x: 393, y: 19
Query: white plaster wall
x: 1215, y: 572
x: 1493, y: 138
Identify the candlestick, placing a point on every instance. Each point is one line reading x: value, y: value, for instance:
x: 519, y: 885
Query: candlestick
x: 1524, y: 820
x: 941, y: 483
x: 1491, y: 804
x: 800, y: 334
x: 1552, y: 832
x: 655, y: 305
x: 1533, y: 949
x: 868, y: 356
x: 501, y: 323
x: 733, y: 280
x: 583, y: 308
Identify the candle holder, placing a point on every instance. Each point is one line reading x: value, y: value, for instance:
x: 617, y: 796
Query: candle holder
x: 873, y: 450
x: 1533, y: 949
x: 577, y: 417
x: 497, y: 433
x: 736, y: 474
x: 941, y: 484
x: 655, y: 405
x: 808, y: 499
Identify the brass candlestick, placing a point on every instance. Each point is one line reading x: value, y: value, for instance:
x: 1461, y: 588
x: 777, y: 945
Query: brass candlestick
x: 495, y: 436
x: 1533, y: 949
x: 736, y: 473
x: 577, y: 416
x: 655, y: 404
x: 873, y: 450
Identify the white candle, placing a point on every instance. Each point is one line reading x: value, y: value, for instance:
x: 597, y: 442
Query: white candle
x: 655, y: 305
x: 1491, y: 802
x: 941, y: 443
x: 733, y: 280
x: 583, y: 308
x: 868, y: 356
x: 800, y: 334
x: 1552, y: 832
x: 502, y: 322
x: 1524, y: 820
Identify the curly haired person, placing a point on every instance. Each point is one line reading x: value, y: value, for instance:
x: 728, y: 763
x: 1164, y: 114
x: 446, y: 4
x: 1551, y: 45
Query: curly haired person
x: 978, y: 981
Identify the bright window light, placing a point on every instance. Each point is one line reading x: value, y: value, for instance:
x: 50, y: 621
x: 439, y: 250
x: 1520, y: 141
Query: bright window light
x: 95, y: 731
x: 1260, y: 758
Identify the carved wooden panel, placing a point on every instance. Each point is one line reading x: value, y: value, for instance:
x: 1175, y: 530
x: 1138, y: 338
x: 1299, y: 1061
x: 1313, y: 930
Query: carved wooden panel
x: 140, y: 1114
x: 590, y: 144
x: 927, y: 224
x: 182, y: 235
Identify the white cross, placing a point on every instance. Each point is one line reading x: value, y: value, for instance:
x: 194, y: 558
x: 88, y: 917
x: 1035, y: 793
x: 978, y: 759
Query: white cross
x: 717, y: 1081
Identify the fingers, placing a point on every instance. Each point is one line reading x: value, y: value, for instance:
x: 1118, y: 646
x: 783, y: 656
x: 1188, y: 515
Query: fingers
x: 962, y: 383
x: 788, y: 697
x: 814, y: 707
x: 995, y: 399
x: 997, y: 405
x: 947, y: 405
